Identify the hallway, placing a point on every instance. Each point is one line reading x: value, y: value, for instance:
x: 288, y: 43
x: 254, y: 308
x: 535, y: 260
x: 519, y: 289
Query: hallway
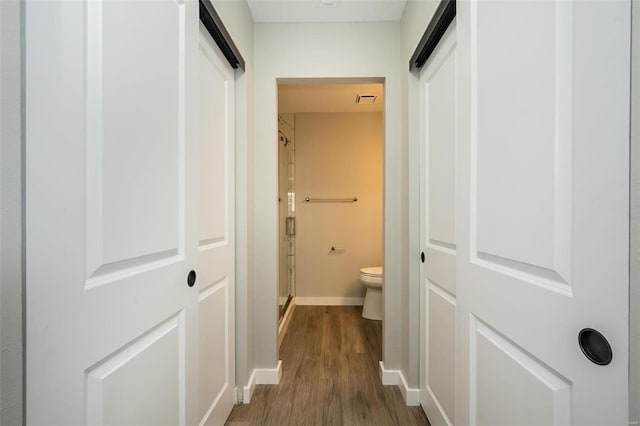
x: 330, y: 376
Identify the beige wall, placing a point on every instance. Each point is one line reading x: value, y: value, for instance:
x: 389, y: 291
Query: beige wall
x: 338, y: 155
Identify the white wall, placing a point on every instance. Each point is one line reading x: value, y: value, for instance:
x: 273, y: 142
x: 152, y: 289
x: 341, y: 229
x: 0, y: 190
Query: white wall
x: 416, y: 17
x: 238, y: 21
x: 321, y: 51
x: 10, y: 215
x: 634, y: 293
x: 338, y: 155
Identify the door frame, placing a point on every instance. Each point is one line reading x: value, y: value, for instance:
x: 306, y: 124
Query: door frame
x: 282, y: 325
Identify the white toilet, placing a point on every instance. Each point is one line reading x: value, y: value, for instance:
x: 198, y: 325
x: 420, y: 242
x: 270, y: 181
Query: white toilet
x: 371, y: 277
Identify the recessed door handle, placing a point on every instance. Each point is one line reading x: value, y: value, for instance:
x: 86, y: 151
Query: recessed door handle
x: 191, y: 278
x: 595, y: 346
x: 422, y: 257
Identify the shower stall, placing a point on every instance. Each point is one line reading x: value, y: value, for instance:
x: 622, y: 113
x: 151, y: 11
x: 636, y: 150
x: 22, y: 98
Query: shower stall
x: 287, y: 211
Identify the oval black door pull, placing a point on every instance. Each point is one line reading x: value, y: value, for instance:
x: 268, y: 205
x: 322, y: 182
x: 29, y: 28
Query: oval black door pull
x: 191, y: 278
x: 595, y: 346
x: 422, y: 257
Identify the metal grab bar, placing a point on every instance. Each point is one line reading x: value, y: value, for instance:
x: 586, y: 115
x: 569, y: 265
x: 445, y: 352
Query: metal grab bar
x: 331, y: 200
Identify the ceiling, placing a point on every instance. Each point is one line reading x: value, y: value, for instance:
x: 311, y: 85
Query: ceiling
x: 316, y: 11
x: 328, y: 97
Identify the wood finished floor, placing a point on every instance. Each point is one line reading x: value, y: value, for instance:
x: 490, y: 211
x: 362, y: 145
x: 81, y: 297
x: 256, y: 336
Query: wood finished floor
x: 330, y: 376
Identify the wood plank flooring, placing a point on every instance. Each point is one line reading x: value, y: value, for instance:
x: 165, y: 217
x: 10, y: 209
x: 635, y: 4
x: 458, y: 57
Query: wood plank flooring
x: 330, y: 376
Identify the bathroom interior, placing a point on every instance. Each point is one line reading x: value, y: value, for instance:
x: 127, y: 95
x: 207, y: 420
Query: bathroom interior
x: 330, y: 193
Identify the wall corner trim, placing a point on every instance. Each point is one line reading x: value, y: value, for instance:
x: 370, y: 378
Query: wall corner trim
x: 268, y: 376
x: 396, y: 378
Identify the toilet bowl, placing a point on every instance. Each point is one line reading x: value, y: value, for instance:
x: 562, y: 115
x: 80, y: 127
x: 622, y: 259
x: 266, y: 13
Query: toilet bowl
x: 371, y: 278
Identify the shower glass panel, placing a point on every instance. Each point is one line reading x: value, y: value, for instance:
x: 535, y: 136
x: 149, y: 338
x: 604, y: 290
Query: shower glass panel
x: 287, y: 210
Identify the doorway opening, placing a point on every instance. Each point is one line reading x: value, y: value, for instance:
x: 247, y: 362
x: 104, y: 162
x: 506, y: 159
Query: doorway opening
x: 330, y: 192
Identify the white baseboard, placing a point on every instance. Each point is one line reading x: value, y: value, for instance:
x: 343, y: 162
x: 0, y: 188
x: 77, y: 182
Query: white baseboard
x: 329, y: 301
x: 261, y: 376
x: 389, y: 377
x: 247, y: 391
x: 395, y: 377
x: 269, y: 376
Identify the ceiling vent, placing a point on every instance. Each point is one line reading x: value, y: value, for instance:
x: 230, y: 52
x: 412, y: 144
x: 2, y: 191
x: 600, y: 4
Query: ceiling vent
x: 366, y: 99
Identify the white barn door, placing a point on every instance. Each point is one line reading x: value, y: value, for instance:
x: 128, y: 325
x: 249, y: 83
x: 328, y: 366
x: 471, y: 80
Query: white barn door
x: 117, y: 215
x: 542, y: 212
x: 216, y: 262
x: 438, y: 230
